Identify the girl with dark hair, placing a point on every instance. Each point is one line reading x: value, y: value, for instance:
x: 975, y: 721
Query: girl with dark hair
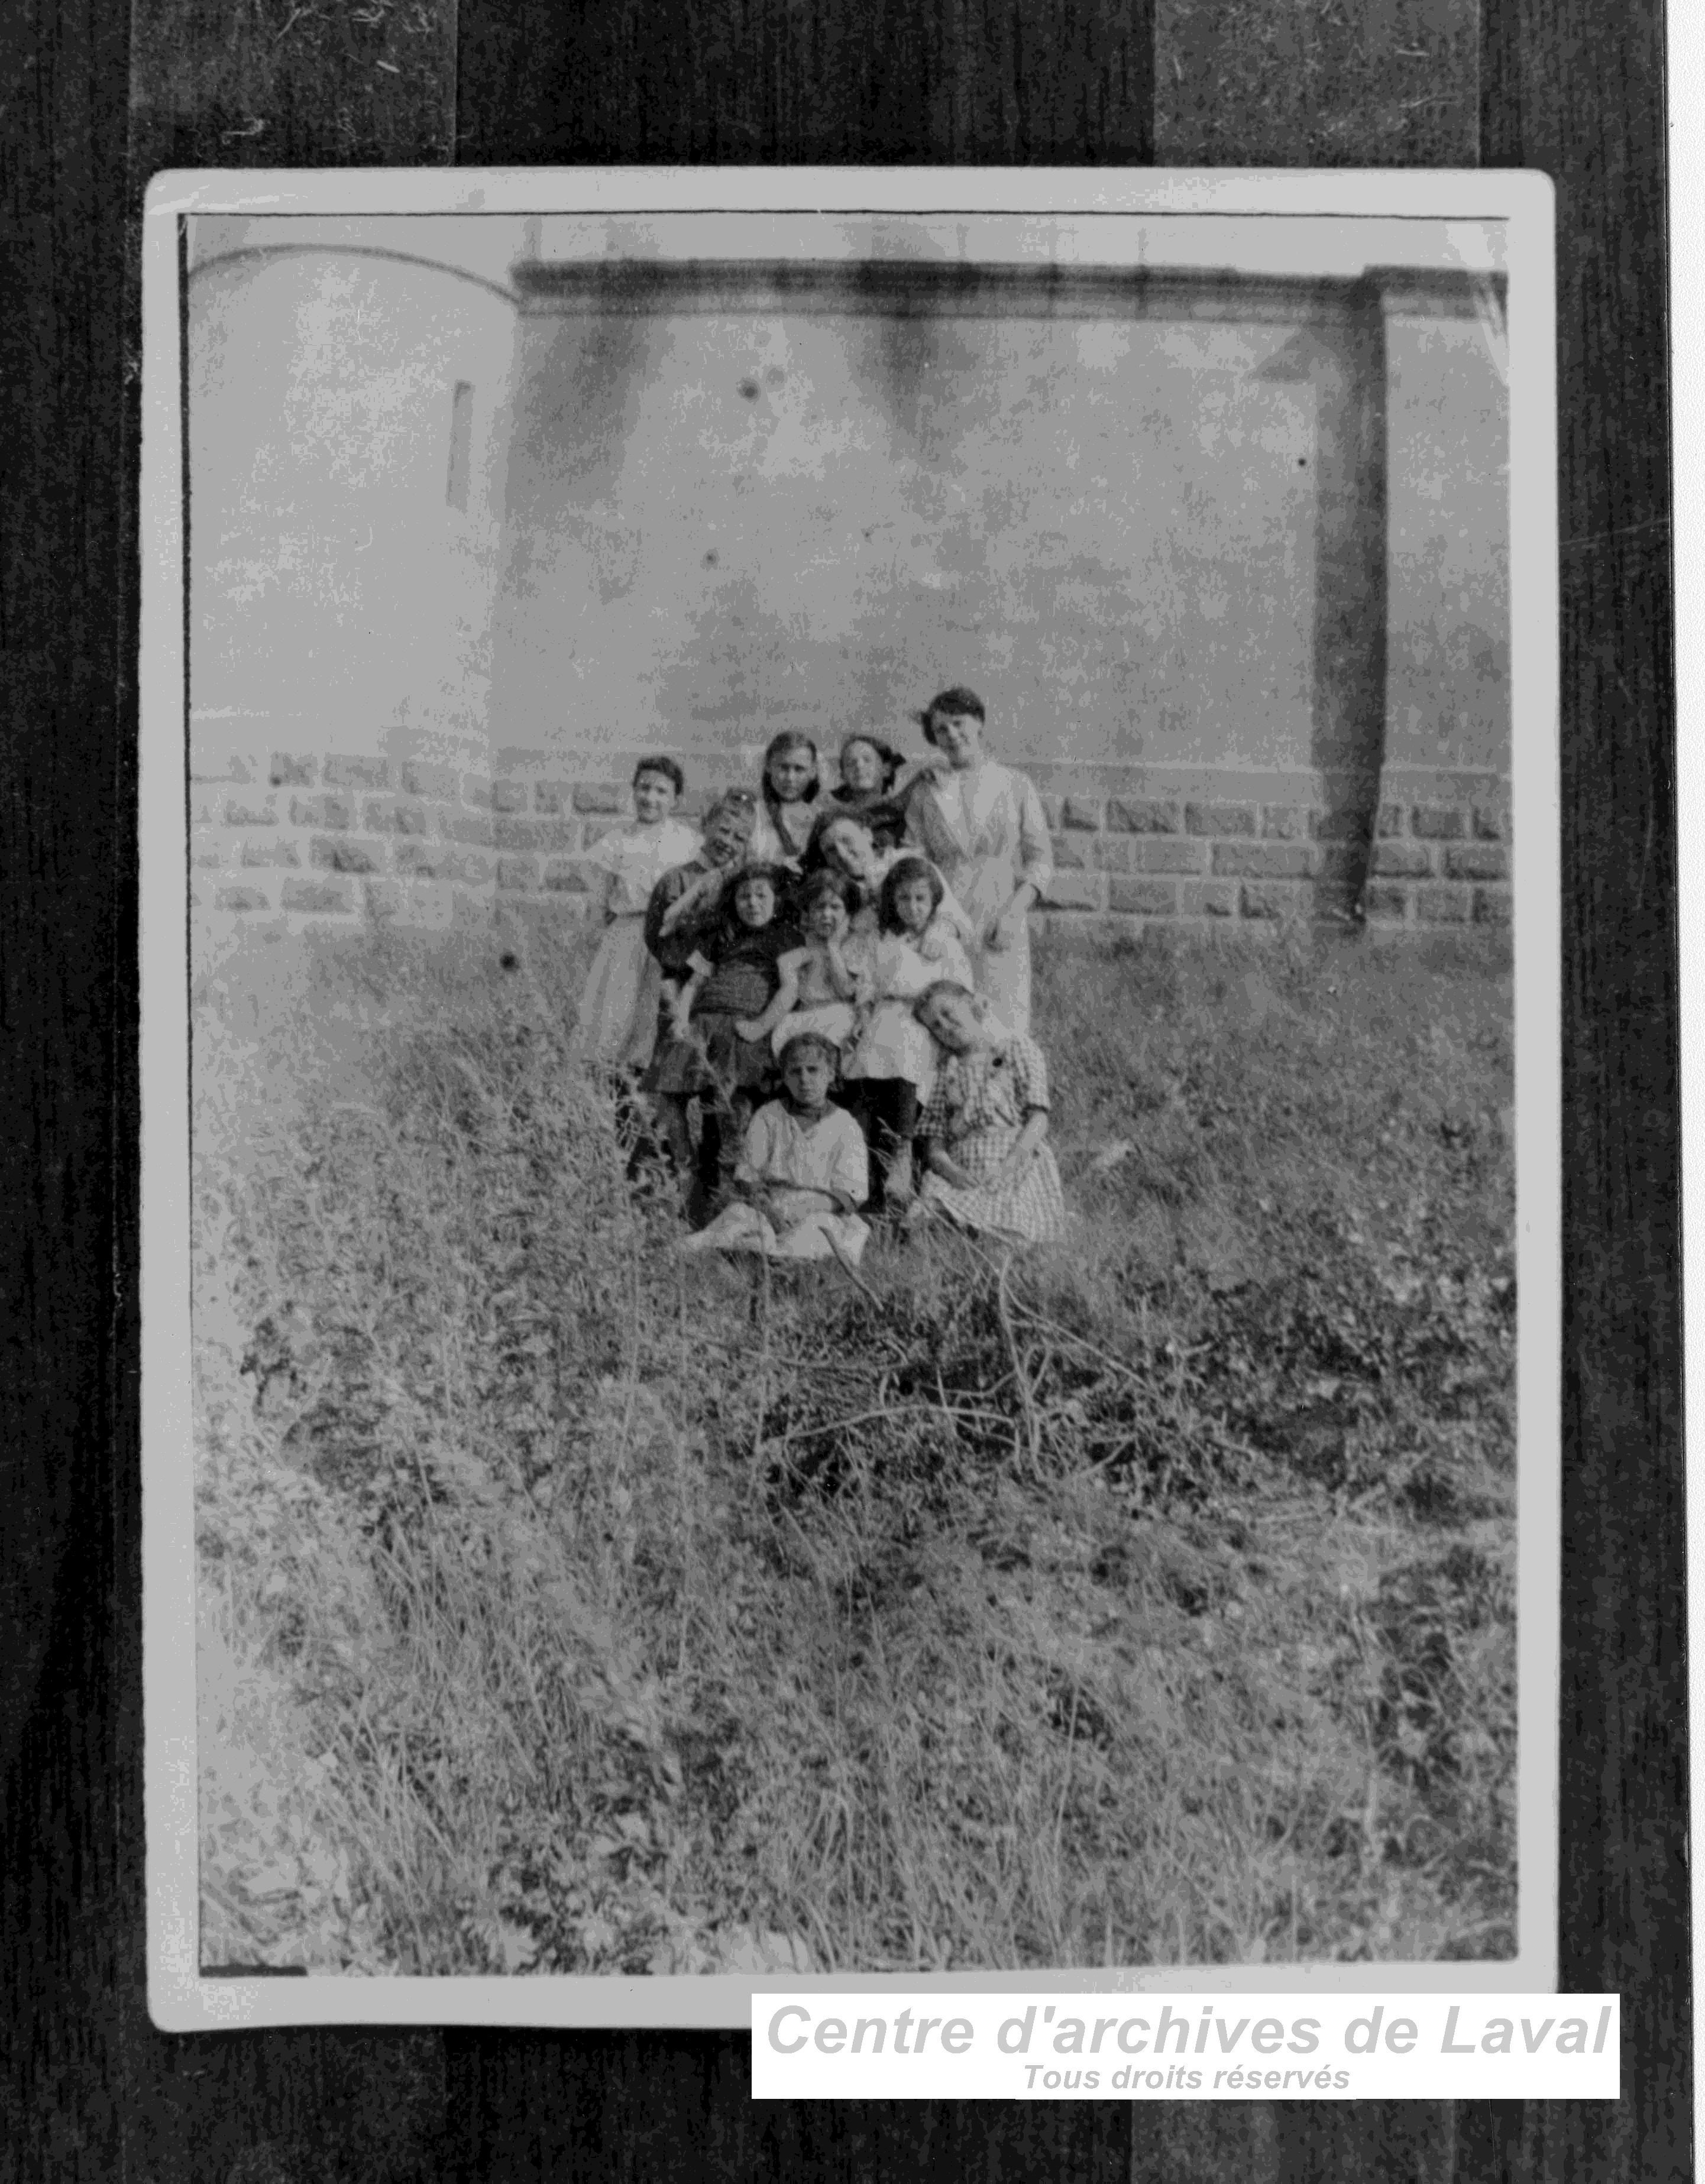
x: 820, y: 982
x: 983, y: 826
x: 616, y: 1027
x: 802, y: 1173
x: 787, y: 798
x: 705, y: 1055
x: 842, y: 842
x: 873, y: 780
x: 891, y: 1069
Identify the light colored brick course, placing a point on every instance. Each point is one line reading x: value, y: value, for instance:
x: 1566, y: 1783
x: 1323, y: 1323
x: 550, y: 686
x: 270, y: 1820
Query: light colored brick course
x: 322, y: 897
x: 346, y: 854
x: 1163, y: 853
x: 1401, y: 860
x: 1438, y: 822
x: 1074, y: 891
x: 1220, y: 819
x: 1142, y: 898
x: 1264, y: 860
x: 1477, y: 861
x: 1442, y: 906
x: 1144, y: 815
x: 343, y: 772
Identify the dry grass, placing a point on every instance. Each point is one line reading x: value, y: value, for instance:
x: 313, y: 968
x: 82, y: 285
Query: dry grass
x: 573, y: 1607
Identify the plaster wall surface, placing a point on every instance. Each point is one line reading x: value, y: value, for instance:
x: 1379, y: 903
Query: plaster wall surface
x: 1448, y: 654
x: 719, y: 524
x: 345, y: 503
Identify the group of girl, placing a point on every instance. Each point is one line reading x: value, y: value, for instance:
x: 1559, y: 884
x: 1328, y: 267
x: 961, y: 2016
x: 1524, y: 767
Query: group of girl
x: 829, y: 983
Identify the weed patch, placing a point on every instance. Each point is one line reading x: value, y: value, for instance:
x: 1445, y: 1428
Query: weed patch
x: 570, y: 1607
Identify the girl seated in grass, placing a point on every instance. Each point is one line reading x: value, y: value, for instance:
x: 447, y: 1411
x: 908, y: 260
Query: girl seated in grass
x: 617, y: 1025
x: 732, y: 978
x: 802, y: 1174
x: 820, y: 983
x: 989, y: 1167
x: 892, y: 1067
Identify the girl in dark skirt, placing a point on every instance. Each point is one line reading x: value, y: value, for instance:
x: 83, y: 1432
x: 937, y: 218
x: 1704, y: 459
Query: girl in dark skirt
x: 707, y: 1055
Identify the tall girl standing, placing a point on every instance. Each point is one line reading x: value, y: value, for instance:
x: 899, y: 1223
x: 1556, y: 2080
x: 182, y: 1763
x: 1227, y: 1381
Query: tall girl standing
x: 983, y: 827
x: 787, y: 803
x: 616, y: 1023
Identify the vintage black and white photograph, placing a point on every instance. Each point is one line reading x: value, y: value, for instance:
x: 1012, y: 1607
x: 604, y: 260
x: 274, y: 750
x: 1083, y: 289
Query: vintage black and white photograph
x: 848, y: 914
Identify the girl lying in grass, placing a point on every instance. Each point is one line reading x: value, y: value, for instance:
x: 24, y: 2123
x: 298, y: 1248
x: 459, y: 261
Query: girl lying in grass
x: 989, y: 1165
x: 802, y: 1174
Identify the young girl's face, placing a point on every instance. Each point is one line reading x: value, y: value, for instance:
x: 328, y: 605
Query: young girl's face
x: 952, y: 1021
x: 791, y: 773
x: 807, y: 1077
x: 861, y: 769
x: 826, y: 919
x: 915, y: 904
x: 754, y: 903
x: 728, y: 834
x: 654, y: 798
x: 850, y: 846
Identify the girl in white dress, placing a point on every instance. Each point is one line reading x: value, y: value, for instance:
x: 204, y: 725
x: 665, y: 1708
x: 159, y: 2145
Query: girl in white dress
x: 983, y: 826
x: 802, y: 1175
x: 616, y: 1023
x: 891, y: 1070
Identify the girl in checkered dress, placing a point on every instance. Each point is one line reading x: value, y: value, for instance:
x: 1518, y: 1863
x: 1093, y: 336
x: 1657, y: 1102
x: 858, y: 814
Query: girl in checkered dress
x: 989, y: 1165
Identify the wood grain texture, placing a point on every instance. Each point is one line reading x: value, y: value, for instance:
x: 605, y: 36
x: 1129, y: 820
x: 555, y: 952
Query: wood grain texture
x: 66, y: 943
x: 823, y: 81
x: 1573, y: 86
x: 278, y: 83
x: 1321, y: 83
x: 1576, y: 88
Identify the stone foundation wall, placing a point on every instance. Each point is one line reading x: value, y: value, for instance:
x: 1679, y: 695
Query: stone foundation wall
x: 335, y: 840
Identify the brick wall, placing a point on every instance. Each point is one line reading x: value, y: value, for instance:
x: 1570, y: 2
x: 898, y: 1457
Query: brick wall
x: 1438, y: 862
x: 339, y: 840
x: 1438, y: 854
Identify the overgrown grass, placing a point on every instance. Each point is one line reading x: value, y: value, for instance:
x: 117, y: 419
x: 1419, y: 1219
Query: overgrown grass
x: 573, y: 1608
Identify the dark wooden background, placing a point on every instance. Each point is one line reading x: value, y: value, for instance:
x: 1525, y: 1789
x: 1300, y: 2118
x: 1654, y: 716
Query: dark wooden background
x: 99, y: 95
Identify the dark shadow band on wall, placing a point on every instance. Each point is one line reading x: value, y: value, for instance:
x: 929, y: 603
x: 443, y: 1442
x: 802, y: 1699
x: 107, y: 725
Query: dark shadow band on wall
x: 1317, y: 848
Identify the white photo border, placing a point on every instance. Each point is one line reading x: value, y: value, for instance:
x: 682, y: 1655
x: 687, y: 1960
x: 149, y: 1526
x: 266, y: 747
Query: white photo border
x: 180, y: 1999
